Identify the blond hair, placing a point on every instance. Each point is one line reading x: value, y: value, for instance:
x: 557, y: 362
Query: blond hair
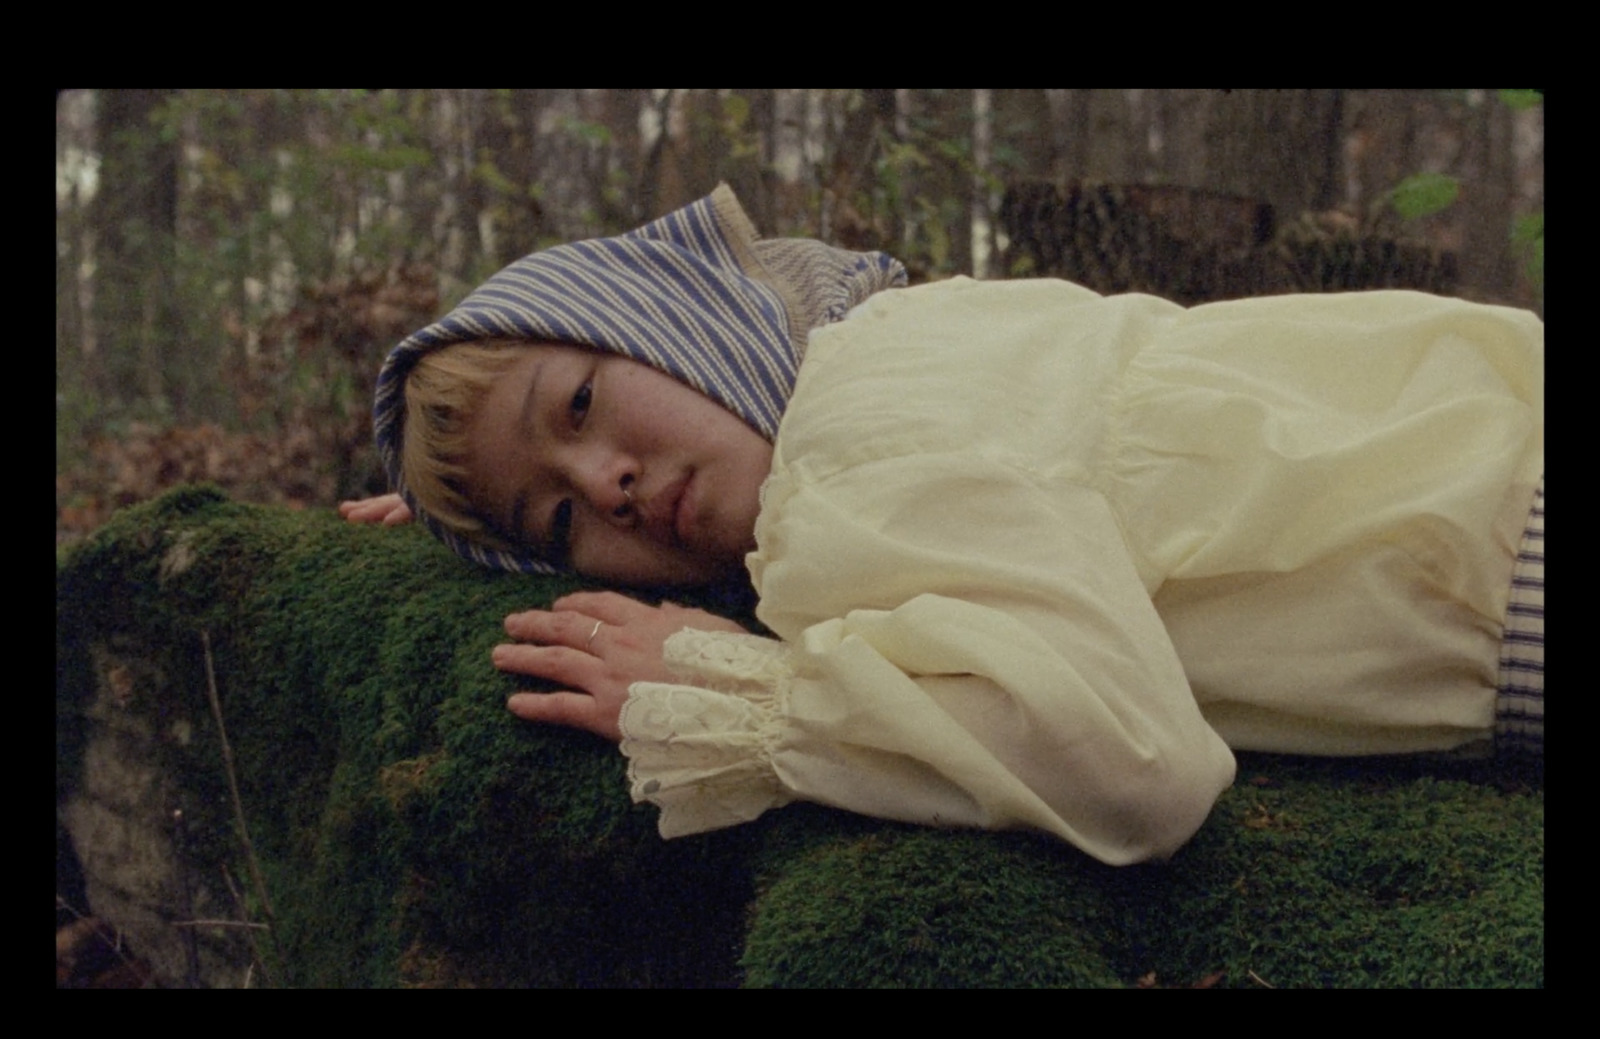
x: 444, y: 391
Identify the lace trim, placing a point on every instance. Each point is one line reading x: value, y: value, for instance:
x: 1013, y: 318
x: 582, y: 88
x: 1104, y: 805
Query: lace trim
x: 750, y: 665
x: 702, y: 751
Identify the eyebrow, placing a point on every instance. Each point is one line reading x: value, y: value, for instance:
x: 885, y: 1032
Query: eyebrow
x: 524, y: 431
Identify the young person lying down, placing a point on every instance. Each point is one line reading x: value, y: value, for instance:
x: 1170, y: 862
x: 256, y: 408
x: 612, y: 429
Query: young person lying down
x: 1034, y: 557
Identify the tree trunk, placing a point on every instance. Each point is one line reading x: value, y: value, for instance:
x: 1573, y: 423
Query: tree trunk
x: 76, y: 360
x: 857, y: 212
x: 1279, y: 145
x: 1022, y: 124
x: 1106, y: 156
x: 136, y: 214
x: 1486, y: 203
x: 619, y: 198
x: 745, y: 153
x: 1183, y: 129
x: 941, y: 198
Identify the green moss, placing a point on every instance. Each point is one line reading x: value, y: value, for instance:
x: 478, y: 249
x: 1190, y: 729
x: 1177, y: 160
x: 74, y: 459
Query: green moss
x: 911, y: 907
x: 1325, y: 875
x: 395, y: 803
x: 413, y: 832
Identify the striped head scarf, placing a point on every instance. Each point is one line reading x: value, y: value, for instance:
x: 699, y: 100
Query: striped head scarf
x: 694, y: 295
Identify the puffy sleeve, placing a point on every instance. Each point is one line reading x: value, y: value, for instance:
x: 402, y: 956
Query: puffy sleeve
x: 963, y: 642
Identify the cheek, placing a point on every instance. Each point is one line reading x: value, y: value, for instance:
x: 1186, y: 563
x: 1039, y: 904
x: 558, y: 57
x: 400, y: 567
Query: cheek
x: 615, y: 556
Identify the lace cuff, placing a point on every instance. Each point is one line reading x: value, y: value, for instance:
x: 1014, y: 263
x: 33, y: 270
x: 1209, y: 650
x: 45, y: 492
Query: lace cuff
x: 702, y: 752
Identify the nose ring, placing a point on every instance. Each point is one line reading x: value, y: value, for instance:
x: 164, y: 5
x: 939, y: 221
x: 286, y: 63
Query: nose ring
x: 626, y: 508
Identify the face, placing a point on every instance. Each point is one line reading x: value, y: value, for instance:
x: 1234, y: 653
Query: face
x: 617, y: 470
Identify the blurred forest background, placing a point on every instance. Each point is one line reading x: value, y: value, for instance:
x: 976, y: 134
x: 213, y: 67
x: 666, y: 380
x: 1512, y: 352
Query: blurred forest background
x: 232, y: 266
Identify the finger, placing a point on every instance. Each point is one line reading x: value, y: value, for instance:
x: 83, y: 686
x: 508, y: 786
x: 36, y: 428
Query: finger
x: 399, y: 514
x: 564, y: 628
x: 564, y: 708
x: 560, y: 664
x: 604, y: 606
x: 368, y: 510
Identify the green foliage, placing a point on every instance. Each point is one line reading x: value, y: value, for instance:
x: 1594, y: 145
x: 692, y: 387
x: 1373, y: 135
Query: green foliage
x: 587, y: 130
x: 1521, y: 99
x: 1528, y: 236
x: 1423, y: 194
x: 1527, y: 233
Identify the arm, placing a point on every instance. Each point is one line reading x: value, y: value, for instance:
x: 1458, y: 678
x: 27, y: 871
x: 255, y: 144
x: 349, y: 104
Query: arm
x: 944, y: 711
x: 387, y: 509
x: 1027, y: 684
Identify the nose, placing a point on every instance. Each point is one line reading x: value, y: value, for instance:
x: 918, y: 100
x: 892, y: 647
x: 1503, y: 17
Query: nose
x: 607, y: 482
x: 627, y: 509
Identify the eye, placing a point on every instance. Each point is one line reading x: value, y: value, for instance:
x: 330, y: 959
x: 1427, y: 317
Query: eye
x: 580, y: 403
x: 560, y: 547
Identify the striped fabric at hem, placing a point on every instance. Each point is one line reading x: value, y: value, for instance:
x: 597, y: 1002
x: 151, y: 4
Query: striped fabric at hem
x: 1519, y: 709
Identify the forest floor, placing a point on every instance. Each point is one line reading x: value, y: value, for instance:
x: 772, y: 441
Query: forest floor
x: 302, y: 467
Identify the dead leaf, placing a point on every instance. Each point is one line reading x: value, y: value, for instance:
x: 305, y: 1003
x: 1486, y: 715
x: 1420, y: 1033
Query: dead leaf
x: 121, y: 683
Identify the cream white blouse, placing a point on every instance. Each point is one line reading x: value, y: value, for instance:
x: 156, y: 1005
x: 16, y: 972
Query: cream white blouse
x: 1037, y: 558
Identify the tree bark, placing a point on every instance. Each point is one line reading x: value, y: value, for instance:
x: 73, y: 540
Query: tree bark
x: 1486, y: 205
x: 1022, y: 124
x: 942, y: 195
x: 619, y: 198
x: 1279, y: 145
x: 1183, y: 125
x: 136, y: 214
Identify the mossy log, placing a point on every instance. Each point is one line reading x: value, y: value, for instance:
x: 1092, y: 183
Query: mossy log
x: 411, y: 832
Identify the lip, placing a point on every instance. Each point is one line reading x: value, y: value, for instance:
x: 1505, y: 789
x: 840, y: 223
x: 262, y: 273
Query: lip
x: 665, y: 514
x: 682, y: 512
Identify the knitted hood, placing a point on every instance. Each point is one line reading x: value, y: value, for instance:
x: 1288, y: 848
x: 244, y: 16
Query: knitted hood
x: 694, y: 295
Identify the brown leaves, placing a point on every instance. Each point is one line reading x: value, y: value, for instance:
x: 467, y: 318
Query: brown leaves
x: 287, y: 468
x: 1260, y: 818
x: 319, y: 447
x: 91, y: 954
x: 356, y: 313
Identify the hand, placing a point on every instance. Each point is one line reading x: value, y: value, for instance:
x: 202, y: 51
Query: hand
x: 388, y: 509
x: 598, y: 664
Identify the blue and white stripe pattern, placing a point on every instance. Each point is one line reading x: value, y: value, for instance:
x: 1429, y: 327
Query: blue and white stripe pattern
x: 1519, y: 709
x: 687, y: 294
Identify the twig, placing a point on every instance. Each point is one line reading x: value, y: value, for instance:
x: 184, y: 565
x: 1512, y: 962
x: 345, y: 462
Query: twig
x: 256, y: 879
x: 1257, y: 979
x: 180, y: 847
x: 244, y: 910
x: 221, y: 923
x: 112, y: 941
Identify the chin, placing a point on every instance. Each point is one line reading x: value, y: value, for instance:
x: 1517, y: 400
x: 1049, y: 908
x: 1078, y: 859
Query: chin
x: 686, y: 574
